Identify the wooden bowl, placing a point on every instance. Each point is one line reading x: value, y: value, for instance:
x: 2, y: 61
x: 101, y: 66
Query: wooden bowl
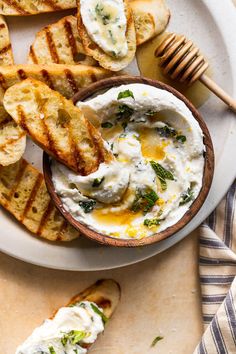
x: 207, y: 175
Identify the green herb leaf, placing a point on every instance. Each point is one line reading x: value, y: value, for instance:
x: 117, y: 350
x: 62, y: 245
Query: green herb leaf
x: 156, y: 340
x: 105, y: 17
x: 167, y: 132
x: 87, y: 205
x: 74, y: 337
x: 181, y: 138
x: 151, y: 198
x: 107, y: 125
x: 187, y: 197
x: 151, y: 222
x: 162, y: 174
x: 150, y: 113
x: 125, y: 94
x: 113, y: 41
x: 100, y: 313
x: 124, y: 111
x: 144, y: 200
x: 51, y: 350
x: 97, y: 182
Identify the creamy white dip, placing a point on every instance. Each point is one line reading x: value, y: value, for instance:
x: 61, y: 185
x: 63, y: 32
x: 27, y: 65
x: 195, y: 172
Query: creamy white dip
x: 68, y: 332
x: 158, y: 170
x: 105, y: 22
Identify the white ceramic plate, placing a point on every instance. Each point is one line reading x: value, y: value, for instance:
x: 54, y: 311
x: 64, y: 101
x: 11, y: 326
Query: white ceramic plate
x: 210, y: 23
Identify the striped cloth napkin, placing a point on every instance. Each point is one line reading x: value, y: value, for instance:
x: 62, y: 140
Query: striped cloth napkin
x: 217, y: 266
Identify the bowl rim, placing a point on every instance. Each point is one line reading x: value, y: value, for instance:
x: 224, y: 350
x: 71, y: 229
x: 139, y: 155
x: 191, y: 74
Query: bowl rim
x: 208, y: 172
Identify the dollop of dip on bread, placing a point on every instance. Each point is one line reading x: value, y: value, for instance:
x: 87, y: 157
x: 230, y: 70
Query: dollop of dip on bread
x: 158, y: 167
x: 70, y: 331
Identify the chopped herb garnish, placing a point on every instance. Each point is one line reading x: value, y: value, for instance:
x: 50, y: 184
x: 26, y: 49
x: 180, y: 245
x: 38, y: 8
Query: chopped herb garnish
x: 150, y: 113
x: 144, y: 200
x: 97, y: 182
x: 107, y: 125
x: 125, y: 94
x: 87, y: 205
x: 162, y: 174
x: 124, y: 111
x: 74, y: 337
x: 99, y: 9
x: 169, y: 132
x: 100, y: 313
x: 76, y: 351
x: 181, y: 138
x: 156, y: 340
x: 151, y: 222
x: 51, y: 350
x: 112, y: 37
x: 187, y: 197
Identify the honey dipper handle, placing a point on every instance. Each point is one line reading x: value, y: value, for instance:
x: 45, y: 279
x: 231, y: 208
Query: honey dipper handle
x: 218, y: 91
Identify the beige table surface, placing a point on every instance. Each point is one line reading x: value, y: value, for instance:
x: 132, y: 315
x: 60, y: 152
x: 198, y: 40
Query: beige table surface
x: 160, y: 296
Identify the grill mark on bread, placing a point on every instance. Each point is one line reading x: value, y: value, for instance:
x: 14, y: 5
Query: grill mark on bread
x: 33, y: 55
x: 12, y: 141
x: 51, y: 46
x: 3, y: 83
x: 17, y: 181
x: 2, y: 25
x: 50, y: 145
x: 8, y: 119
x: 21, y: 73
x: 16, y: 6
x: 79, y: 161
x: 52, y: 4
x: 45, y: 217
x: 71, y: 39
x: 47, y: 78
x: 97, y: 147
x: 5, y: 49
x: 71, y: 80
x: 32, y: 196
x: 22, y: 118
x: 103, y: 303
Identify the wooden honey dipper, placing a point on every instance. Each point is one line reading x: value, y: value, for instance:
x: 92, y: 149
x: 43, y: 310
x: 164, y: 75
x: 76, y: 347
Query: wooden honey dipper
x: 182, y: 61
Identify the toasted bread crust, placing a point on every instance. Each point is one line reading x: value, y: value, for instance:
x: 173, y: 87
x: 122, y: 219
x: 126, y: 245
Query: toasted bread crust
x: 59, y: 43
x: 151, y: 17
x: 26, y: 7
x: 24, y: 194
x: 12, y: 137
x: 56, y: 125
x: 98, y: 54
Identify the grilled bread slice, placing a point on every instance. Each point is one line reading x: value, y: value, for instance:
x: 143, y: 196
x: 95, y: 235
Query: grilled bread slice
x: 105, y: 60
x: 24, y: 194
x: 66, y: 79
x: 30, y: 7
x: 151, y: 17
x: 105, y: 293
x: 12, y: 137
x: 56, y: 125
x: 59, y: 43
